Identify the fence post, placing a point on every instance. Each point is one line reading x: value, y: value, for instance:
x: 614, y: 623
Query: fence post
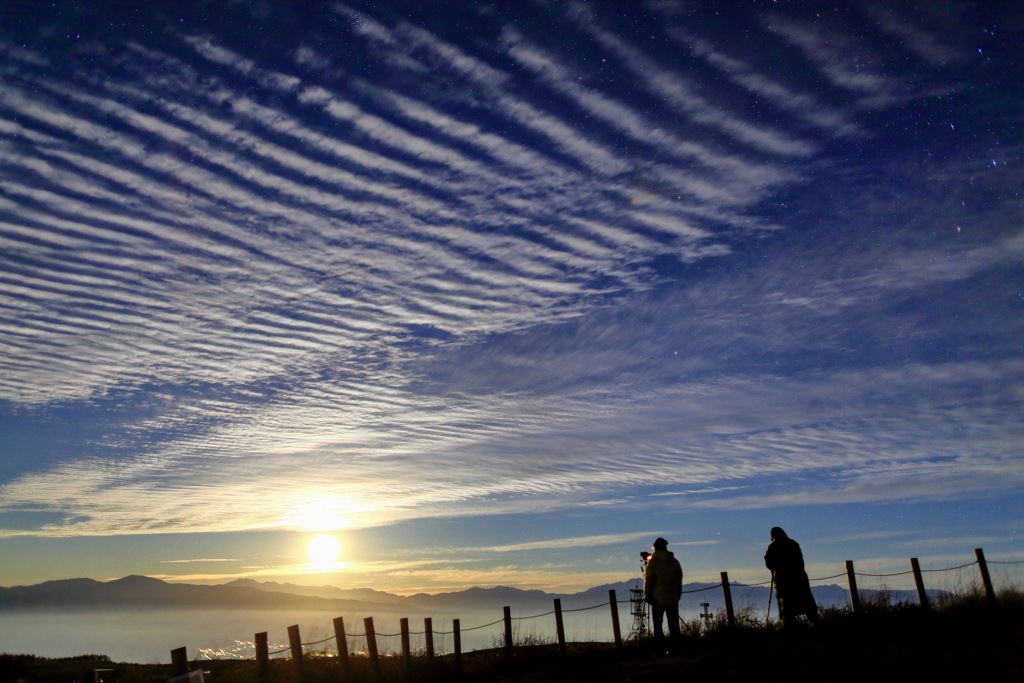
x: 457, y: 644
x: 406, y: 653
x: 371, y: 645
x: 342, y: 640
x: 616, y: 631
x: 295, y: 642
x: 262, y: 658
x: 508, y: 632
x: 428, y: 638
x: 986, y: 580
x: 854, y: 595
x: 179, y: 661
x: 922, y: 595
x: 559, y: 626
x: 728, y: 599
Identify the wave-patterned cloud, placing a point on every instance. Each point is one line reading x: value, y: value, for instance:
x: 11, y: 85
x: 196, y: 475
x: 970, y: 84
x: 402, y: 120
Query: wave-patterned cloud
x: 452, y: 267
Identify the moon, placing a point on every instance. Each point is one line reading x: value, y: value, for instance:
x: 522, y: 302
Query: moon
x: 323, y: 550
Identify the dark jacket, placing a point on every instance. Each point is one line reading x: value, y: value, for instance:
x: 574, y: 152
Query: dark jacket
x: 663, y: 579
x: 792, y: 586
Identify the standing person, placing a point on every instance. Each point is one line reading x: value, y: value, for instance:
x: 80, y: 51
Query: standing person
x: 663, y: 586
x: 792, y: 587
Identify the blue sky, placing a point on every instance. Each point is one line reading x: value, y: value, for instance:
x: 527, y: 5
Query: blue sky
x: 496, y: 293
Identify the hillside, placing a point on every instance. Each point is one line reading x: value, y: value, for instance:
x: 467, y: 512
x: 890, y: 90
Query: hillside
x: 964, y: 643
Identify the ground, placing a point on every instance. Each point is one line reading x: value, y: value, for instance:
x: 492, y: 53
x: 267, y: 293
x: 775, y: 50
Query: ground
x: 913, y: 644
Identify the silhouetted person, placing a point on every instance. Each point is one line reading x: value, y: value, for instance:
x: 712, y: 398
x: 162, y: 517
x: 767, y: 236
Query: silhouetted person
x: 663, y: 586
x: 792, y: 587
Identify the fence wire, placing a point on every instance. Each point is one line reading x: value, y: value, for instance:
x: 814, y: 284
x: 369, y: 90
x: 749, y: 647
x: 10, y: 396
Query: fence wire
x: 701, y: 590
x: 584, y: 609
x: 713, y: 586
x: 885, y: 575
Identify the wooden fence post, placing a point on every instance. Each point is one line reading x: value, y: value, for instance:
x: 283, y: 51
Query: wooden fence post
x: 406, y: 652
x: 428, y: 638
x: 854, y: 594
x: 616, y: 631
x: 342, y: 640
x: 371, y: 645
x: 179, y: 661
x: 508, y: 632
x: 922, y: 594
x: 262, y: 658
x: 559, y: 626
x: 295, y: 642
x: 457, y: 644
x: 986, y: 580
x: 727, y: 592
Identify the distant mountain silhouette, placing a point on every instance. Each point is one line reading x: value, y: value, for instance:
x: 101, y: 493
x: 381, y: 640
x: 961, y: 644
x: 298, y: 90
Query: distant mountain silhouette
x: 142, y: 591
x: 326, y: 592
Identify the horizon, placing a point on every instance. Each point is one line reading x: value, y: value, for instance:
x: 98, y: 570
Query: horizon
x: 344, y: 591
x: 418, y: 298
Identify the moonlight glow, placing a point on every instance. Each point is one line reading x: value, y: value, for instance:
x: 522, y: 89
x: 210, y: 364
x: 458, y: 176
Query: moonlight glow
x: 323, y: 550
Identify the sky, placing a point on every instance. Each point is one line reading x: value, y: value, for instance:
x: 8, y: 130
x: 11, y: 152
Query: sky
x: 495, y: 293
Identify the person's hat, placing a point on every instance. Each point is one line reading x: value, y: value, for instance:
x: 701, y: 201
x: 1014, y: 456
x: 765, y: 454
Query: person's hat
x: 660, y: 543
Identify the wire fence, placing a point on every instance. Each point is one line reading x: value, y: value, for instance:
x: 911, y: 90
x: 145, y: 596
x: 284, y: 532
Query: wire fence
x: 368, y: 642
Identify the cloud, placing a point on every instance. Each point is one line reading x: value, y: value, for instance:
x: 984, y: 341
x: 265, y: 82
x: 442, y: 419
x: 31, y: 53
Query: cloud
x: 801, y: 103
x: 571, y: 542
x: 304, y: 226
x: 198, y: 560
x: 926, y: 42
x: 839, y: 59
x: 456, y: 278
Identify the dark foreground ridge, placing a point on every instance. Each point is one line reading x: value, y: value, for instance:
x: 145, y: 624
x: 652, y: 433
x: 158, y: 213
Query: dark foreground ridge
x: 975, y: 643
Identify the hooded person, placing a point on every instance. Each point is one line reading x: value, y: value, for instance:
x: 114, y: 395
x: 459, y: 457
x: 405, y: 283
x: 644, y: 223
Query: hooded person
x: 663, y: 587
x: 792, y: 587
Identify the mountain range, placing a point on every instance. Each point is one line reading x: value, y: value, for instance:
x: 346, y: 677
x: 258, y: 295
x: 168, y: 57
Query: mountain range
x: 142, y: 591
